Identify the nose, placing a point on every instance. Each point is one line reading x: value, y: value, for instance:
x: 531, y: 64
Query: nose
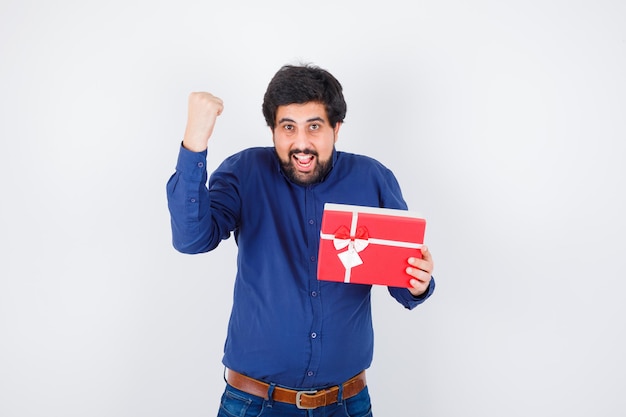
x: 302, y: 140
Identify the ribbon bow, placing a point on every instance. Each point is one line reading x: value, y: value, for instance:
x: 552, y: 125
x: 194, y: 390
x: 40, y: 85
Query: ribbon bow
x: 355, y: 244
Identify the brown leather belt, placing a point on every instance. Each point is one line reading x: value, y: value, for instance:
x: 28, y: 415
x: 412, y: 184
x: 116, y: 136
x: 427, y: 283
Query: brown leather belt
x: 301, y: 399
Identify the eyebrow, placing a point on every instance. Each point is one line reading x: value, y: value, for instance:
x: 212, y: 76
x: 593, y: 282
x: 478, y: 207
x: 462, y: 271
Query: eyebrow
x: 312, y: 119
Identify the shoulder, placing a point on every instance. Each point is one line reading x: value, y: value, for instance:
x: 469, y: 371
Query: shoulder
x: 358, y: 161
x: 250, y: 158
x: 370, y: 174
x: 258, y: 152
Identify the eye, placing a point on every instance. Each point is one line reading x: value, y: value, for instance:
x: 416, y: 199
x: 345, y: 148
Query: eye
x: 288, y: 127
x: 314, y: 126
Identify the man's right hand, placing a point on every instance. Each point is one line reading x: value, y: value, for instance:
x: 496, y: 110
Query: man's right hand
x: 203, y: 109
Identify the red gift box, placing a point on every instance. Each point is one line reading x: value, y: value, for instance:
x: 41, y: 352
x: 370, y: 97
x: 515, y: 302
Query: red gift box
x: 368, y: 245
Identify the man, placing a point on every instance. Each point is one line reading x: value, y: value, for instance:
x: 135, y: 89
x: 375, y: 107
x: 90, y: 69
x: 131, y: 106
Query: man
x: 293, y: 342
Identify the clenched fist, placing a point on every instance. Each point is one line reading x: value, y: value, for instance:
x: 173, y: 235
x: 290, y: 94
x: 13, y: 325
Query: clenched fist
x: 203, y: 109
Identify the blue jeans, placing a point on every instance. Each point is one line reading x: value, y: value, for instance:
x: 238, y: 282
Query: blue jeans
x: 236, y: 403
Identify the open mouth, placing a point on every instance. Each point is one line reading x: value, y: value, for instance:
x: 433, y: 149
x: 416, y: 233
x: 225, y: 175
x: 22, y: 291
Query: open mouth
x: 304, y: 161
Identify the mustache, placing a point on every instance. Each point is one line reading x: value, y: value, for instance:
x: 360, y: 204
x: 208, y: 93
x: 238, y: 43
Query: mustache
x: 303, y: 151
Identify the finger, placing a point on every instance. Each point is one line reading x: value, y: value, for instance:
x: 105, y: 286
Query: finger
x: 421, y: 264
x: 418, y: 274
x: 426, y: 255
x: 220, y: 105
x: 426, y: 262
x: 418, y: 287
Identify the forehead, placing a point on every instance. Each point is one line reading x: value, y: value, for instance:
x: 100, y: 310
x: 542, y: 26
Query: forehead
x: 301, y: 113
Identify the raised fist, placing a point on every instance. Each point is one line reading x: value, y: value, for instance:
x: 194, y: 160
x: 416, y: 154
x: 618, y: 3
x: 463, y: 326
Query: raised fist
x: 203, y: 109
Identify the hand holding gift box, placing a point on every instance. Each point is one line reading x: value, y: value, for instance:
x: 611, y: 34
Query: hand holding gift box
x: 369, y: 245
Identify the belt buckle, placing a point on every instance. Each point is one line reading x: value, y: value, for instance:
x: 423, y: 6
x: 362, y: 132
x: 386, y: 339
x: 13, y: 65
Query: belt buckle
x: 299, y: 398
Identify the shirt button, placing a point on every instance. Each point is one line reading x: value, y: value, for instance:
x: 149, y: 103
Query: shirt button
x: 310, y: 373
x: 193, y: 200
x: 311, y: 221
x: 313, y: 293
x: 200, y: 164
x: 313, y: 335
x: 312, y: 258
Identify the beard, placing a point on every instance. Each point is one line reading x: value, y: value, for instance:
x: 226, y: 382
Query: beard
x: 322, y: 167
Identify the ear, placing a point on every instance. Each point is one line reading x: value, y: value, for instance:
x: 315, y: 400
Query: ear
x: 336, y: 131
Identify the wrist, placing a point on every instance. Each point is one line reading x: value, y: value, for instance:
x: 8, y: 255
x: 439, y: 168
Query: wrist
x: 194, y: 145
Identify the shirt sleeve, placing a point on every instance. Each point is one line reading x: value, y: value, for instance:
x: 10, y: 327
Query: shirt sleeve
x: 195, y: 227
x: 408, y: 300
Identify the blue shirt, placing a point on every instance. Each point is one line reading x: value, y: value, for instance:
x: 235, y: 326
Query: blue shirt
x: 285, y: 327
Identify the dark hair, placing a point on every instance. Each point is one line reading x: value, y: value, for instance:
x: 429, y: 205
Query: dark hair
x: 299, y: 84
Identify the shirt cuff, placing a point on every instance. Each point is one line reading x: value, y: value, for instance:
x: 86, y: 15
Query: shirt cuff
x: 191, y: 165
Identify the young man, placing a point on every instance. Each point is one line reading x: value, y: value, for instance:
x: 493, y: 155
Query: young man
x: 293, y: 342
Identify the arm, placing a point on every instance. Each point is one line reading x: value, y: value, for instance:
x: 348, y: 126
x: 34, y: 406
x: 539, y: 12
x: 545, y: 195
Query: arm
x: 422, y: 282
x: 194, y: 226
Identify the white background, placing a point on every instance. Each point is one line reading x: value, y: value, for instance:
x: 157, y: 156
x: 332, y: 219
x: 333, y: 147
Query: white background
x: 503, y: 121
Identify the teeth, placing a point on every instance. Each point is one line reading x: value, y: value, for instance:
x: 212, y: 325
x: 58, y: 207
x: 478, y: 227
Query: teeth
x: 304, y: 159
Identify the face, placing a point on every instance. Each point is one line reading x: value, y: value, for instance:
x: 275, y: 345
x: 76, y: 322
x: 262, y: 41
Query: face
x: 304, y: 141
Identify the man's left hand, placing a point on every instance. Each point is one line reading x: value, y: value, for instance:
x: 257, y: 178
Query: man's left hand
x: 421, y: 270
